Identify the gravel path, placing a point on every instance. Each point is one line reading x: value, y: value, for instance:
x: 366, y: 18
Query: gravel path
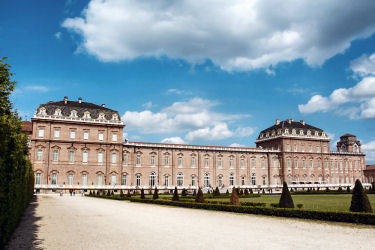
x: 54, y: 222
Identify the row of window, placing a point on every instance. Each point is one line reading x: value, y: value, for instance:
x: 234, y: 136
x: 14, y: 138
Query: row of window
x: 85, y: 156
x: 72, y: 134
x: 294, y: 132
x: 337, y: 180
x: 74, y: 114
x: 206, y: 162
x: 310, y: 150
x: 318, y: 164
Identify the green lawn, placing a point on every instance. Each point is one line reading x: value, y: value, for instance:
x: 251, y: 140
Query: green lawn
x: 326, y: 202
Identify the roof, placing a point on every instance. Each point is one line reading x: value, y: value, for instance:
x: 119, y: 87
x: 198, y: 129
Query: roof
x: 348, y: 135
x: 80, y: 107
x: 26, y: 126
x: 191, y: 145
x: 370, y: 167
x: 290, y: 124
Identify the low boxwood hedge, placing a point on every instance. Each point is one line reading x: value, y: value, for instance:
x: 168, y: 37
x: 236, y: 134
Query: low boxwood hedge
x: 362, y: 218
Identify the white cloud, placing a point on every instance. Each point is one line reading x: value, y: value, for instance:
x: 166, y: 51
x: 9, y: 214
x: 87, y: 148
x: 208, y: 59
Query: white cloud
x: 369, y: 149
x: 173, y: 140
x: 147, y: 105
x: 364, y: 65
x: 236, y: 145
x: 362, y: 96
x: 237, y: 35
x: 178, y: 92
x: 37, y: 88
x: 194, y: 117
x: 58, y: 35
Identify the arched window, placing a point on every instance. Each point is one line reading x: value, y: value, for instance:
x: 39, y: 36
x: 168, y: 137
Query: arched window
x: 243, y: 180
x: 42, y: 111
x: 114, y: 157
x: 343, y: 148
x: 113, y: 179
x: 220, y: 181
x: 152, y: 179
x: 206, y: 179
x: 38, y: 178
x: 231, y: 179
x: 138, y: 180
x: 355, y: 148
x: 55, y: 155
x: 99, y: 180
x: 180, y: 179
x: 58, y: 112
x: 312, y: 179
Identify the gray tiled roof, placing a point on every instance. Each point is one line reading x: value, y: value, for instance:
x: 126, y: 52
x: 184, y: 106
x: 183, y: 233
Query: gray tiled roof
x: 82, y: 107
x: 293, y: 125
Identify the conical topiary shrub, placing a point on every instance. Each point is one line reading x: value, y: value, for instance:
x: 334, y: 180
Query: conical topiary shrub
x: 90, y: 193
x: 348, y: 189
x: 246, y: 191
x: 121, y: 193
x: 175, y: 195
x: 251, y: 191
x: 108, y: 193
x: 286, y: 200
x: 227, y: 192
x: 112, y: 193
x: 195, y: 193
x: 143, y: 194
x: 217, y: 192
x: 234, y: 200
x: 128, y: 194
x: 241, y: 192
x: 150, y: 191
x: 360, y: 202
x: 199, y: 197
x: 184, y: 192
x: 156, y: 194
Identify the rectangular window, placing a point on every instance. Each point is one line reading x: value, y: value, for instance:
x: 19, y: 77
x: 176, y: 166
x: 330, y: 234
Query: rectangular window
x: 263, y: 163
x: 100, y: 157
x: 193, y: 180
x: 242, y: 163
x: 55, y: 155
x: 231, y: 163
x: 99, y: 179
x: 37, y: 178
x: 72, y: 134
x: 289, y: 163
x: 114, y: 158
x: 220, y: 181
x: 253, y: 179
x: 138, y: 160
x: 86, y: 135
x: 287, y: 148
x: 70, y: 179
x: 84, y: 179
x: 193, y: 162
x: 138, y: 180
x: 310, y: 148
x: 180, y: 162
x: 311, y: 164
x: 153, y: 161
x: 125, y: 159
x: 113, y: 180
x: 325, y: 149
x: 206, y: 162
x: 220, y: 163
x: 85, y: 157
x: 264, y: 180
x: 275, y: 163
x: 114, y: 137
x: 71, y: 156
x: 123, y: 180
x: 166, y: 161
x: 295, y: 147
x: 295, y: 163
x: 166, y: 180
x: 303, y: 164
x: 253, y: 163
x: 303, y: 148
x: 100, y: 136
x: 39, y: 155
x: 56, y: 133
x: 41, y: 132
x: 317, y: 149
x: 54, y: 179
x: 243, y: 180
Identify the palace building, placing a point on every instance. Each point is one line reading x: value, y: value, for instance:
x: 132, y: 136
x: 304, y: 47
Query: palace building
x: 76, y: 144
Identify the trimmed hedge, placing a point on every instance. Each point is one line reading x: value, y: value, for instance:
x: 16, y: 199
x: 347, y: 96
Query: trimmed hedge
x: 16, y: 174
x: 362, y: 218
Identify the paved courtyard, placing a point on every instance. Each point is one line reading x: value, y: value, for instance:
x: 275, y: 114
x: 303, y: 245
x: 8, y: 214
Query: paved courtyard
x: 53, y: 222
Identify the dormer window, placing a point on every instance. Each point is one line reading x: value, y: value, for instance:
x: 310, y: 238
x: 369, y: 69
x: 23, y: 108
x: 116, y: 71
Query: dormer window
x: 115, y: 117
x: 316, y: 133
x: 58, y: 112
x: 323, y: 134
x: 273, y: 132
x: 86, y: 115
x: 293, y: 131
x: 343, y: 148
x: 287, y: 131
x: 355, y: 148
x: 42, y: 111
x: 101, y: 116
x: 301, y: 132
x: 308, y: 132
x: 73, y: 113
x: 279, y: 132
x: 268, y: 134
x: 261, y: 135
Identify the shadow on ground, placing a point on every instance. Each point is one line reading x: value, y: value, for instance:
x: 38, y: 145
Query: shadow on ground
x: 25, y: 235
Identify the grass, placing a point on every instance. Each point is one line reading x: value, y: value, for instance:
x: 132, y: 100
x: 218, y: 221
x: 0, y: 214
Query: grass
x: 320, y: 202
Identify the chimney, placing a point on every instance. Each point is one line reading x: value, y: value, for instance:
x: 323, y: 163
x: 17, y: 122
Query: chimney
x: 277, y: 122
x: 103, y: 105
x: 302, y: 122
x: 79, y: 99
x: 65, y: 99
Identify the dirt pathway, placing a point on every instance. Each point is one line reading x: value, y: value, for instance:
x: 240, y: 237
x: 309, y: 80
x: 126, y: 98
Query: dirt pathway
x: 54, y: 222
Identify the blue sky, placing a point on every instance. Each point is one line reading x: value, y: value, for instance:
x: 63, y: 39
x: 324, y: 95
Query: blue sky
x: 213, y: 73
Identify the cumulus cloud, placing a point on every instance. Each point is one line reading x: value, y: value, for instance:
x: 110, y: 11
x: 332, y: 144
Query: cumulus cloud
x: 361, y: 97
x: 364, y: 65
x: 237, y: 35
x: 369, y: 149
x: 194, y: 117
x: 173, y: 140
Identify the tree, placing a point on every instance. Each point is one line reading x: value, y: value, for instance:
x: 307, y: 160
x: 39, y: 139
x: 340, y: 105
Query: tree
x: 216, y: 192
x: 241, y: 192
x: 128, y: 195
x: 360, y: 202
x: 16, y: 173
x: 286, y: 200
x: 150, y: 191
x: 251, y: 191
x: 195, y: 192
x: 184, y: 192
x: 112, y: 193
x: 156, y: 194
x: 175, y: 195
x: 348, y: 189
x: 246, y: 191
x: 227, y: 192
x: 199, y: 197
x: 143, y: 194
x: 121, y: 194
x: 234, y: 200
